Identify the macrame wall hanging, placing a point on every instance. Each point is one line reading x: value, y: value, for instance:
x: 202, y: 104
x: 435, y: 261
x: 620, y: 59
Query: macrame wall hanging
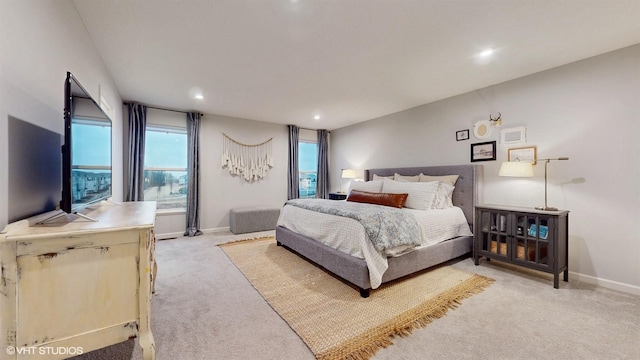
x: 248, y: 161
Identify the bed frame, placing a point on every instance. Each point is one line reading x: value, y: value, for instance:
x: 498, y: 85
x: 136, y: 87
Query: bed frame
x: 354, y: 270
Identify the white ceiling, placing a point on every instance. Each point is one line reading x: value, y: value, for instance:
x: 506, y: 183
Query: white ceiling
x: 284, y: 61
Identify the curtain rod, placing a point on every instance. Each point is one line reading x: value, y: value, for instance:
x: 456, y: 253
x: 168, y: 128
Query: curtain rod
x: 160, y: 108
x: 312, y: 129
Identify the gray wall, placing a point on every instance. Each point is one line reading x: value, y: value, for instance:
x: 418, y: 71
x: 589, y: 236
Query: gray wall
x: 588, y: 110
x: 220, y: 190
x: 41, y: 41
x: 34, y: 67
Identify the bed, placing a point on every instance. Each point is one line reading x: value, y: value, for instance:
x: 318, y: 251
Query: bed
x: 354, y: 269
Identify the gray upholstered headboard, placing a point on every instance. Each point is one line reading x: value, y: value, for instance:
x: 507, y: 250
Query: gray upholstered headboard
x: 468, y: 189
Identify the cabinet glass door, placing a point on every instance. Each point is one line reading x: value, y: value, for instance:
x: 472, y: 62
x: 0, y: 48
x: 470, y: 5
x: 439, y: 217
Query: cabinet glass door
x: 532, y: 243
x: 495, y: 229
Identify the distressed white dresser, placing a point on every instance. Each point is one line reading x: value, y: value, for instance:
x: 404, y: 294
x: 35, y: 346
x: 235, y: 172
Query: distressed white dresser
x: 73, y: 285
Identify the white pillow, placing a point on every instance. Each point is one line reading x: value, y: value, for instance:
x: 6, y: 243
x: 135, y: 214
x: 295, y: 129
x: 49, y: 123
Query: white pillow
x: 444, y: 196
x: 422, y: 196
x: 378, y: 177
x: 405, y: 178
x: 370, y: 186
x: 449, y: 179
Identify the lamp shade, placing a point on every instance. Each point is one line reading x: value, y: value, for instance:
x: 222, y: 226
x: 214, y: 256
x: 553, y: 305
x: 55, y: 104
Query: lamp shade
x: 516, y: 169
x: 348, y: 174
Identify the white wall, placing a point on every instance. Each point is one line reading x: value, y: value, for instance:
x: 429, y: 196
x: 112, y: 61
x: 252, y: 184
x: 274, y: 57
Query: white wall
x: 42, y: 40
x: 220, y: 190
x: 588, y: 111
x: 39, y: 42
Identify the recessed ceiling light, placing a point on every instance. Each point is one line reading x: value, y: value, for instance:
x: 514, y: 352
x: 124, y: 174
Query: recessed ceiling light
x: 317, y: 117
x: 486, y: 53
x: 196, y: 93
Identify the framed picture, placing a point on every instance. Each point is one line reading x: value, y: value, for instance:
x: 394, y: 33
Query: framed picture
x: 462, y: 135
x: 482, y: 129
x: 485, y: 151
x: 527, y: 154
x: 516, y: 135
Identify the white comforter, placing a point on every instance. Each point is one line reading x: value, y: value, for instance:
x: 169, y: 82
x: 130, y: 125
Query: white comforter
x: 349, y: 236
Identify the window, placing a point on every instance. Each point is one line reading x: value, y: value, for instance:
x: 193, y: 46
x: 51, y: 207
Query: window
x: 307, y: 169
x: 165, y: 167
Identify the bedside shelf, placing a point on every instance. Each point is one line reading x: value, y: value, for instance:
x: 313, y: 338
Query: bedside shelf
x: 337, y: 196
x: 534, y: 239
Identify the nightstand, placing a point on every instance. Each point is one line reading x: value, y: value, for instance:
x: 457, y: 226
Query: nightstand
x: 337, y: 196
x: 535, y: 239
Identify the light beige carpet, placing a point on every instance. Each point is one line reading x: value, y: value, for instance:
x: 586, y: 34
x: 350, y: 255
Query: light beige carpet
x: 330, y: 316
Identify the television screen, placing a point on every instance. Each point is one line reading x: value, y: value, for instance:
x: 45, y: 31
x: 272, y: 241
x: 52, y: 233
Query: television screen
x: 86, y: 154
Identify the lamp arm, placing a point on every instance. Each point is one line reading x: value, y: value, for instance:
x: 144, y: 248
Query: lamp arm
x: 546, y: 162
x: 545, y: 182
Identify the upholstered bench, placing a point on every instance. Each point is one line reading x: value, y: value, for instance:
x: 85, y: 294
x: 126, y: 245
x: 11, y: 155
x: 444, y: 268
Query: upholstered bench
x: 252, y: 219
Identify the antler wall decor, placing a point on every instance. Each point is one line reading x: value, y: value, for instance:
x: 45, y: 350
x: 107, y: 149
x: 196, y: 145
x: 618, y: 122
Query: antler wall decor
x: 497, y: 121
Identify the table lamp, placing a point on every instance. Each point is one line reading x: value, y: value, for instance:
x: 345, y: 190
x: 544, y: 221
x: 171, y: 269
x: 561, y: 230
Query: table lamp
x: 546, y: 162
x: 516, y: 169
x: 346, y: 174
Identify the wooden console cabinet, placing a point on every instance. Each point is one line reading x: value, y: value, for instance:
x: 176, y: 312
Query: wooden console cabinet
x: 73, y: 285
x: 531, y: 238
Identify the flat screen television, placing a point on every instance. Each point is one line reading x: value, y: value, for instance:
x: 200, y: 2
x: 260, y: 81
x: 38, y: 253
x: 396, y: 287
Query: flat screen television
x: 86, y: 153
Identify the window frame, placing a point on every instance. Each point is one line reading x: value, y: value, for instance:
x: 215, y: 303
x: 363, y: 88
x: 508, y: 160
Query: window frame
x: 315, y: 194
x: 167, y: 129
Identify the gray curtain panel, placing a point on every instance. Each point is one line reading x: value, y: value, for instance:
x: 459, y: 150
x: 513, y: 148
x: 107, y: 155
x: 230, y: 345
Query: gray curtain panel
x: 193, y: 171
x: 292, y: 183
x: 135, y: 168
x: 322, y: 191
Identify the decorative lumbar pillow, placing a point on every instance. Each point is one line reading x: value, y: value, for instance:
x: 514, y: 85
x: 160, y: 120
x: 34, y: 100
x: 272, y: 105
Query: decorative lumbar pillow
x: 414, y: 178
x: 422, y: 196
x: 370, y: 186
x: 393, y: 200
x: 449, y: 179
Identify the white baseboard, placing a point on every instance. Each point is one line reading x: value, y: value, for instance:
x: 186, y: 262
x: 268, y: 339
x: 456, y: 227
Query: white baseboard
x: 609, y: 284
x: 215, y: 230
x: 166, y: 236
x: 174, y: 235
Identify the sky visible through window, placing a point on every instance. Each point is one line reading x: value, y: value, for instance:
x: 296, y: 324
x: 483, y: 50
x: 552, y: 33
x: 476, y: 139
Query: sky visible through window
x: 308, y: 168
x: 307, y: 156
x: 165, y: 150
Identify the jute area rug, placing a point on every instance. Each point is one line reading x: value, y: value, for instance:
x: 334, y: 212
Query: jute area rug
x: 330, y: 316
